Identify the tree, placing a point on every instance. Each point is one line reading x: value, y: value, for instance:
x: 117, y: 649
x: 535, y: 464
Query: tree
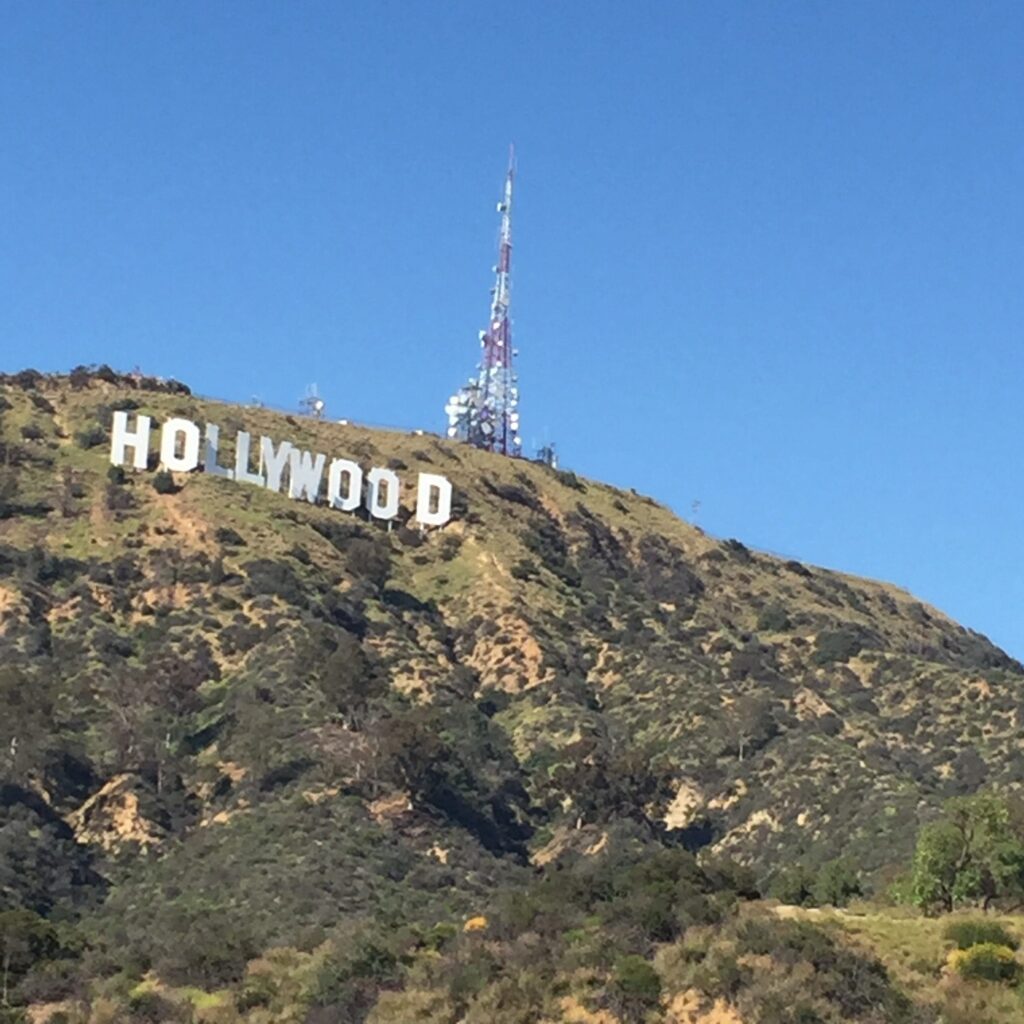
x: 91, y: 437
x: 974, y: 854
x: 348, y: 682
x: 747, y: 724
x: 26, y: 723
x: 837, y: 882
x: 24, y: 938
x: 794, y: 885
x: 170, y: 689
x: 606, y: 779
x: 8, y: 493
x: 368, y: 560
x: 773, y: 618
x: 636, y: 987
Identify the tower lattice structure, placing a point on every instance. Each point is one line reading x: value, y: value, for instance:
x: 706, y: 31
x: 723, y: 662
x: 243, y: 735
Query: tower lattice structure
x: 485, y: 412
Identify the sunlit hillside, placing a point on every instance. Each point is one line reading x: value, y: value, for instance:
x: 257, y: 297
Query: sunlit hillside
x: 553, y: 750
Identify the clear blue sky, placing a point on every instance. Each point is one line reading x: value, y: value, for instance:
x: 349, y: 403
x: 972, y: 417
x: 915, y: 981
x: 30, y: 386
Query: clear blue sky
x: 768, y: 255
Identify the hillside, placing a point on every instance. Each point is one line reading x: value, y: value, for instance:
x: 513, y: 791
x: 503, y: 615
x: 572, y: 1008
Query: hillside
x: 252, y: 720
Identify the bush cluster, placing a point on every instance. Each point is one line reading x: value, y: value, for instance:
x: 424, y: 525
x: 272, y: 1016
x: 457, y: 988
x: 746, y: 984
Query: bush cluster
x: 986, y: 961
x: 836, y: 645
x: 973, y: 931
x: 163, y: 482
x: 773, y: 619
x: 834, y: 883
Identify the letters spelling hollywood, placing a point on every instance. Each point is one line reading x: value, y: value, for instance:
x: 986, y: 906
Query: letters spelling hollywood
x: 183, y: 448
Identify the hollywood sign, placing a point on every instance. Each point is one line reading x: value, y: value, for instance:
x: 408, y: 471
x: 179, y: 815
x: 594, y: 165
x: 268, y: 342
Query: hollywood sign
x: 184, y: 448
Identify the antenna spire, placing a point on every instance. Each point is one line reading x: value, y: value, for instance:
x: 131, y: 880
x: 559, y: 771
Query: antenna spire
x: 485, y: 413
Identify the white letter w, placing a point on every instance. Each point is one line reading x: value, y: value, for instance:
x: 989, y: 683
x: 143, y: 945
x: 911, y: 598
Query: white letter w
x: 306, y: 474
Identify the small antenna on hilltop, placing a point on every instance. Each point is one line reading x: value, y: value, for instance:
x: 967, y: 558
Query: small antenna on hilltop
x: 546, y: 453
x: 312, y: 404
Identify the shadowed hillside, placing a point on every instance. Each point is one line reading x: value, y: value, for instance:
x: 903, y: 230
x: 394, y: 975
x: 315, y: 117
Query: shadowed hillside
x: 252, y: 720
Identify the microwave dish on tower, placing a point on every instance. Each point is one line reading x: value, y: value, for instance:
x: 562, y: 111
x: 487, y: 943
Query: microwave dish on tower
x: 312, y: 404
x: 485, y: 412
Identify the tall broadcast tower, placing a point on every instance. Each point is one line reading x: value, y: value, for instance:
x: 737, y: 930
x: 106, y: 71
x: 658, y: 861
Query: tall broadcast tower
x: 484, y: 412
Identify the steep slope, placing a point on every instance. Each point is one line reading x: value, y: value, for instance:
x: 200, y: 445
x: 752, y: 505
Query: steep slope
x: 409, y: 719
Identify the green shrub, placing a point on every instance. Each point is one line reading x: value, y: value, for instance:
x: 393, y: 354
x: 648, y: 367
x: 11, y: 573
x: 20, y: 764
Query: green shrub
x: 836, y: 645
x: 636, y: 982
x: 718, y: 973
x: 450, y: 546
x: 737, y: 549
x: 545, y: 539
x: 568, y: 478
x: 986, y: 962
x: 857, y: 986
x: 42, y: 403
x: 90, y: 437
x: 348, y: 980
x: 524, y: 569
x: 773, y: 619
x: 163, y: 482
x: 27, y: 379
x: 369, y: 559
x: 439, y: 936
x: 215, y: 954
x: 973, y: 931
x: 836, y: 884
x: 26, y: 939
x: 147, y: 1005
x: 257, y: 990
x: 269, y: 577
x: 118, y: 498
x: 793, y: 885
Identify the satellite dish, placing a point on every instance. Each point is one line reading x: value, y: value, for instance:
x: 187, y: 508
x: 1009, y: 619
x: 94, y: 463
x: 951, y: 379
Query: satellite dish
x: 312, y: 404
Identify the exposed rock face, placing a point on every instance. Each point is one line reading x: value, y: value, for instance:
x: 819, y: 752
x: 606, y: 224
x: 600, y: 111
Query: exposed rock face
x: 687, y: 802
x: 111, y: 818
x: 693, y: 1007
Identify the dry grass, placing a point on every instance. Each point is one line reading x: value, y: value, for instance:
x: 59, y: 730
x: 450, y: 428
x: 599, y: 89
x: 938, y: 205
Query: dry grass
x: 914, y: 952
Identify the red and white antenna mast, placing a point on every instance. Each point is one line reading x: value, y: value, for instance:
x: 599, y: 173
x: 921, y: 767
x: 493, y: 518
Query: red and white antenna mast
x: 485, y: 413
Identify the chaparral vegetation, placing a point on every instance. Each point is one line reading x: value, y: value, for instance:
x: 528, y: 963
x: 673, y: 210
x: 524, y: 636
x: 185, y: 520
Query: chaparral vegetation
x: 565, y: 758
